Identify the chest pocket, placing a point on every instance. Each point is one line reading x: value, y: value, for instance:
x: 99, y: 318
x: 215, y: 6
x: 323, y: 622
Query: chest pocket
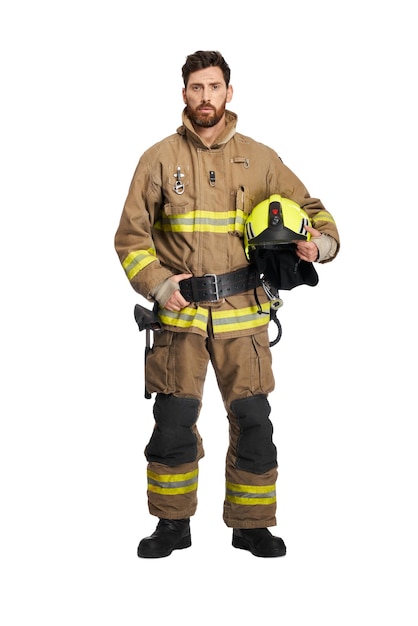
x: 176, y: 205
x: 176, y: 190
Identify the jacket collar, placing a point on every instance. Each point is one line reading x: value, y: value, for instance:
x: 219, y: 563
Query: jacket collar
x: 228, y: 132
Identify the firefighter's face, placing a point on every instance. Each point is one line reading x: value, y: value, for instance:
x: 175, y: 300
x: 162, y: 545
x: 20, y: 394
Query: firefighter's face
x: 206, y: 96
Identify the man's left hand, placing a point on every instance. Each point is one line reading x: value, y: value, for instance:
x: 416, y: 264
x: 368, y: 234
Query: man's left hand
x: 308, y: 250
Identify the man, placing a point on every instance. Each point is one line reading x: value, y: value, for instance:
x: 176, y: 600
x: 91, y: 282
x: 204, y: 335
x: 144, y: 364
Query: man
x: 180, y: 241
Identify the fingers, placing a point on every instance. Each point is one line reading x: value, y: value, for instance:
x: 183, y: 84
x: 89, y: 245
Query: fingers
x: 307, y: 251
x: 176, y: 302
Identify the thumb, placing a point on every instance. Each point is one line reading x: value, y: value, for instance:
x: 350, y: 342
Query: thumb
x: 178, y: 277
x: 313, y: 231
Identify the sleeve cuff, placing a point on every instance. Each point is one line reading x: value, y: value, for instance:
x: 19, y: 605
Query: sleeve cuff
x: 327, y: 247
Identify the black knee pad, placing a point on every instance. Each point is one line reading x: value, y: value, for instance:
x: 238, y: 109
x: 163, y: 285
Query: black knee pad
x: 256, y: 451
x: 173, y: 441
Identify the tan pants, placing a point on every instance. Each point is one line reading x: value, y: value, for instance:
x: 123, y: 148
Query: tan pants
x: 176, y: 370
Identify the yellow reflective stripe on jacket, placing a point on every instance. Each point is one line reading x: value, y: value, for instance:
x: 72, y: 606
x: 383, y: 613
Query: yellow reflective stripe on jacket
x: 137, y: 260
x: 172, y: 484
x: 240, y: 319
x: 250, y: 494
x: 223, y: 321
x: 203, y: 221
x: 188, y: 317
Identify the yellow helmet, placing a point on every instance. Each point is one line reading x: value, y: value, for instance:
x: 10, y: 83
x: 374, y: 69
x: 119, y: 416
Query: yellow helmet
x: 271, y: 231
x: 273, y: 222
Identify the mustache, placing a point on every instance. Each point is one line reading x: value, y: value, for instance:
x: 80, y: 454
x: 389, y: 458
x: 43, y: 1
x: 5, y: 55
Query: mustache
x: 206, y: 105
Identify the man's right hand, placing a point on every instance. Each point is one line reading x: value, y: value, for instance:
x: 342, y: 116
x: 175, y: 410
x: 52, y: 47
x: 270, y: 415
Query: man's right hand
x: 176, y: 302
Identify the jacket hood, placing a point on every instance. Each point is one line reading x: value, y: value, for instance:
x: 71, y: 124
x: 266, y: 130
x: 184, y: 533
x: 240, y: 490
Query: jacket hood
x: 228, y: 132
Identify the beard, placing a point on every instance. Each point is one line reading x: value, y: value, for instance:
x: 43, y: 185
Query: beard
x: 205, y: 120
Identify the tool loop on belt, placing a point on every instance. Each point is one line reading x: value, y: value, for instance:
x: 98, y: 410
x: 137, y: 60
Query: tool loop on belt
x: 213, y: 287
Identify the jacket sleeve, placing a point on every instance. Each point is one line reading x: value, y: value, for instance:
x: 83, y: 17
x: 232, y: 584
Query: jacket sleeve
x: 133, y: 239
x: 291, y: 187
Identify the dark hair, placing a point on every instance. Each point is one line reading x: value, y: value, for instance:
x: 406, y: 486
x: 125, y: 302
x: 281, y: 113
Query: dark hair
x: 200, y: 60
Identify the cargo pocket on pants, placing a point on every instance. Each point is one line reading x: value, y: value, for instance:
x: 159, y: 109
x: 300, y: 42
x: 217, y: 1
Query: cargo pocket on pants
x: 261, y: 366
x: 157, y: 366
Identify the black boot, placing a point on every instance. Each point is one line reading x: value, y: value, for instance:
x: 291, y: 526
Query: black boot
x: 259, y: 541
x: 170, y: 534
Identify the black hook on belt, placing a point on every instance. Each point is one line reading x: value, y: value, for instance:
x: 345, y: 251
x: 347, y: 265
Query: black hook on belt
x: 149, y: 321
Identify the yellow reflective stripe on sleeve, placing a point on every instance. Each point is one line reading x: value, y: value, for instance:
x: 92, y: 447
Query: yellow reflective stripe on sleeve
x: 186, y: 318
x: 241, y: 319
x: 172, y: 484
x: 203, y: 221
x: 323, y: 216
x: 137, y: 260
x: 249, y: 495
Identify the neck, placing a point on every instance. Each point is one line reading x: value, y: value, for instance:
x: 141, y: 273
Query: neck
x: 209, y: 134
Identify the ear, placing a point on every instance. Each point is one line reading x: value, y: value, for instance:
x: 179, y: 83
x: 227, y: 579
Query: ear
x: 184, y: 95
x: 229, y: 93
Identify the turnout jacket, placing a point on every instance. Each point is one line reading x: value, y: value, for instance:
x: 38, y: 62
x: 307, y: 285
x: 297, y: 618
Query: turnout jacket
x: 185, y: 213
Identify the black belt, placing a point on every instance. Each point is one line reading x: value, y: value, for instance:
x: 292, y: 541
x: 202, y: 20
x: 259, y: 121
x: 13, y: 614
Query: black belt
x: 213, y: 287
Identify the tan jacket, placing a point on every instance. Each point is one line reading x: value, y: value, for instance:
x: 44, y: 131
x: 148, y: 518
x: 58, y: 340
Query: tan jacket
x: 185, y: 213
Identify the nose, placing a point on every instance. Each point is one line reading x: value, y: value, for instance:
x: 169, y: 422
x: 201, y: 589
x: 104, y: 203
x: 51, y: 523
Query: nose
x: 206, y: 94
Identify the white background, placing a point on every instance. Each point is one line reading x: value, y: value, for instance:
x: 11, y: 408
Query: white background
x: 86, y: 88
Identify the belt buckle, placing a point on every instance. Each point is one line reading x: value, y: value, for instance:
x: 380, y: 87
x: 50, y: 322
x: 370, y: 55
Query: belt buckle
x: 215, y: 281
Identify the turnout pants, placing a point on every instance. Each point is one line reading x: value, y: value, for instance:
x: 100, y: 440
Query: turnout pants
x: 176, y: 370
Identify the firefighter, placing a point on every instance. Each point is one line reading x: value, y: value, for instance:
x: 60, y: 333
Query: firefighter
x: 181, y: 243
